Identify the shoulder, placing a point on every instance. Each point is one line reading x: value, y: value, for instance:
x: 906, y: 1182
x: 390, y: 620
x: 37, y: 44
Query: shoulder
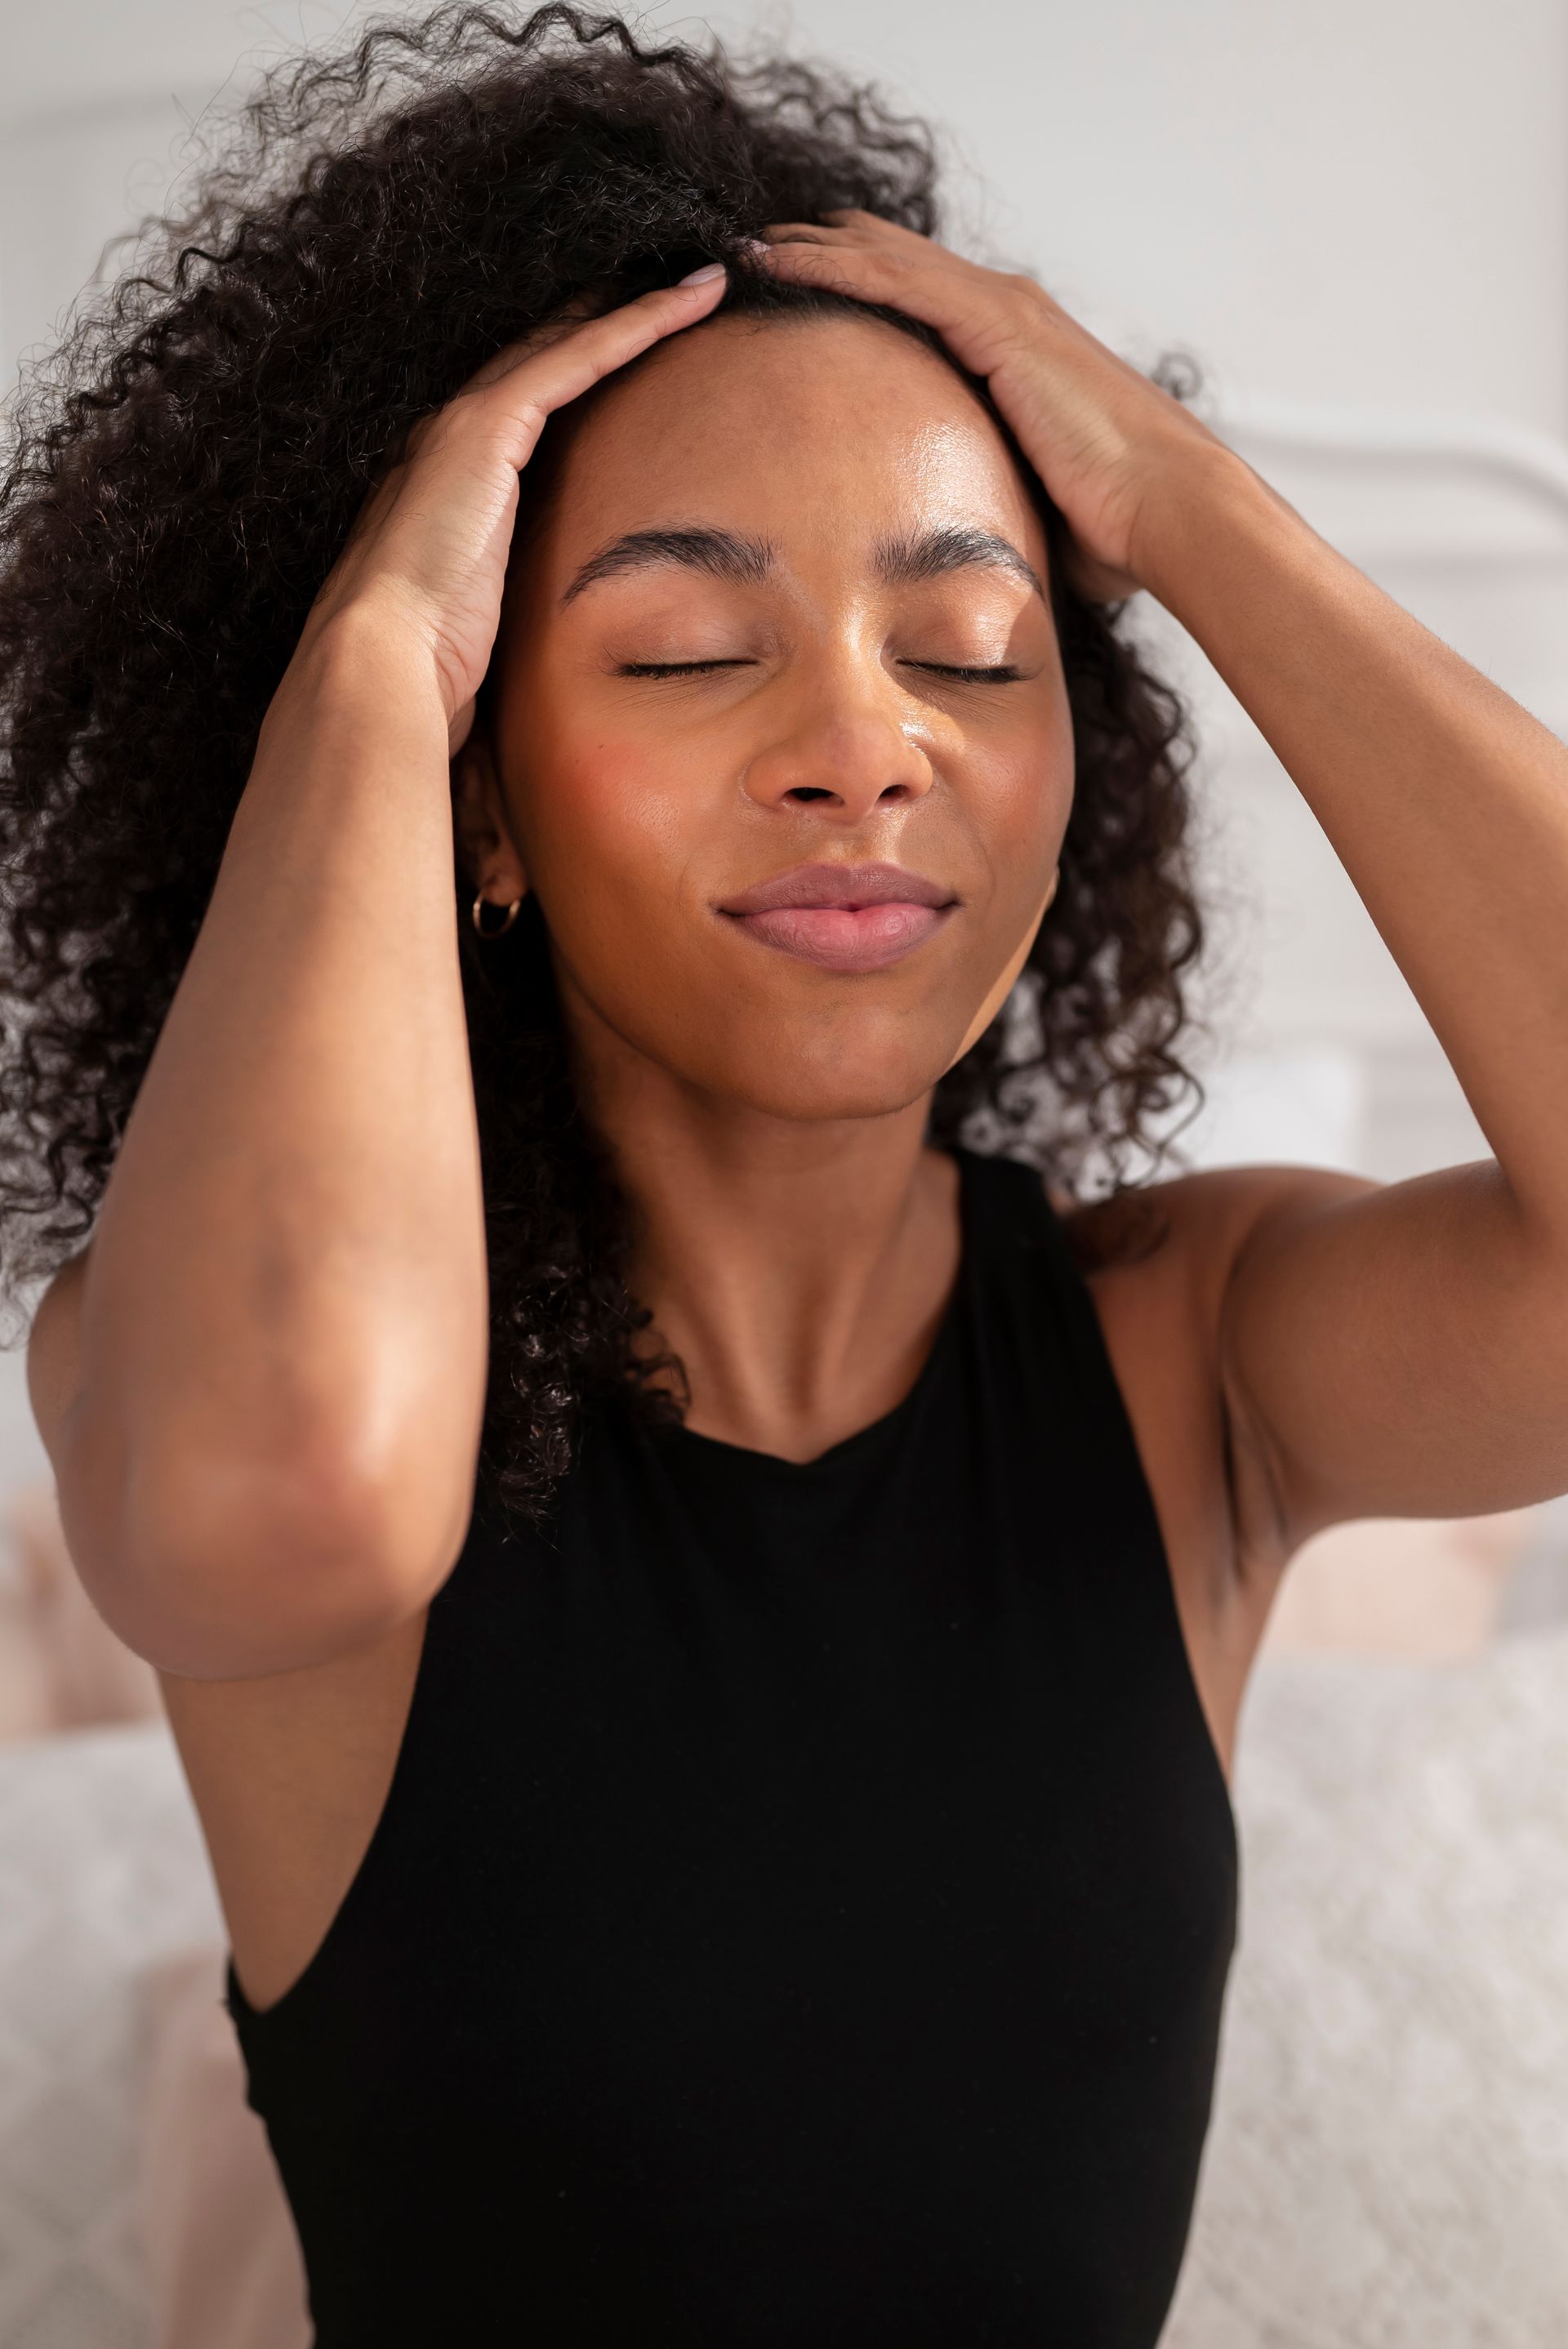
x: 1194, y: 1228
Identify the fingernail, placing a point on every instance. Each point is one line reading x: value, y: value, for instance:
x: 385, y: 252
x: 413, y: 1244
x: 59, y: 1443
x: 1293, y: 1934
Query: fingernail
x: 704, y: 275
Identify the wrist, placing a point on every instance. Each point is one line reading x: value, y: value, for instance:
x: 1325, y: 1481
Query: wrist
x: 368, y: 665
x: 1209, y: 487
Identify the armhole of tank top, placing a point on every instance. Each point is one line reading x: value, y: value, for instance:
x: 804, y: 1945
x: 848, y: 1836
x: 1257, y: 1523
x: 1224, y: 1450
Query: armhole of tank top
x: 261, y: 2026
x: 1134, y: 1491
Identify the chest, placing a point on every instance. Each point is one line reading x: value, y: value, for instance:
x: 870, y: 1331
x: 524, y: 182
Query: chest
x: 829, y: 1967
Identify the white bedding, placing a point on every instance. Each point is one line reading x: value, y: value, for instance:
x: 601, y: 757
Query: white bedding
x: 102, y: 1874
x: 1389, y: 2163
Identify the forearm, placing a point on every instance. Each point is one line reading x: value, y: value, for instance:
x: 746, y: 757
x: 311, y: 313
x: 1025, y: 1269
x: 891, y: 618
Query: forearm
x: 288, y: 1278
x: 1446, y: 801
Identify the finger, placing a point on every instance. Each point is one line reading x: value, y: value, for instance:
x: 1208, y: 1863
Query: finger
x: 804, y: 243
x: 873, y: 224
x: 583, y: 358
x: 830, y: 267
x: 923, y: 280
x: 570, y: 314
x: 834, y: 227
x: 780, y: 233
x: 544, y: 376
x: 851, y: 267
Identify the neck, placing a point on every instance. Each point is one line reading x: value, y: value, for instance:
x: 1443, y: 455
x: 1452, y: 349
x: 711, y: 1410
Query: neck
x: 798, y: 1269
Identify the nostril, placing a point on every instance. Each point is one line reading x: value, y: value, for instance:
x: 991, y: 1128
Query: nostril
x: 809, y: 791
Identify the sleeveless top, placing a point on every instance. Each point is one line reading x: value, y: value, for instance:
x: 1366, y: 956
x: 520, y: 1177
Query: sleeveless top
x: 801, y: 1911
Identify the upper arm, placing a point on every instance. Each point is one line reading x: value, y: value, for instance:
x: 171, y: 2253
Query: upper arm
x: 232, y: 1571
x: 288, y: 1766
x: 1390, y: 1350
x: 53, y: 1355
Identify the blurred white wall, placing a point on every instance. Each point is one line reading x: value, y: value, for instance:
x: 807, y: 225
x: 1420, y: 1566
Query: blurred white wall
x: 1357, y: 207
x: 1338, y: 198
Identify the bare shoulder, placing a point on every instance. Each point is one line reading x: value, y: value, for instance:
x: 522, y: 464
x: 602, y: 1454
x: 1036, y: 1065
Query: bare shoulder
x: 1198, y: 1222
x: 1160, y: 1260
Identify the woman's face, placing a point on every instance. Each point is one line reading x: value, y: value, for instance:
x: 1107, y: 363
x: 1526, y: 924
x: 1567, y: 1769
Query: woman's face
x: 732, y: 649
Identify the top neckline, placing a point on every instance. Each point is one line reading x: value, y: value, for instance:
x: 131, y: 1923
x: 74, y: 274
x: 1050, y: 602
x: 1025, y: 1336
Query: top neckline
x: 849, y: 1451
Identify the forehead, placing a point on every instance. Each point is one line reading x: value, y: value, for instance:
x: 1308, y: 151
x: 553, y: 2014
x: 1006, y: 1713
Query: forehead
x: 781, y: 424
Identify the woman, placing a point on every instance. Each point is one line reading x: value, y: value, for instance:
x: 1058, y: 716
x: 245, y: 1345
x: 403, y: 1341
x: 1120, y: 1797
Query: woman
x: 704, y: 1616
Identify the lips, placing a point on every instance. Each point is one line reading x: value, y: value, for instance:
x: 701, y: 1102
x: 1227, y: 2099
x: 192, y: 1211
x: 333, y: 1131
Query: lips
x: 847, y: 917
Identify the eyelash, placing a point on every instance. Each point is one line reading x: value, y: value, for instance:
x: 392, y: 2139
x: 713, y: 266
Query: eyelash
x: 999, y: 675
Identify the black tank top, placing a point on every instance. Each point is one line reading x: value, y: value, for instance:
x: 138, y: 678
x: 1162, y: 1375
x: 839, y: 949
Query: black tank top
x: 801, y: 1911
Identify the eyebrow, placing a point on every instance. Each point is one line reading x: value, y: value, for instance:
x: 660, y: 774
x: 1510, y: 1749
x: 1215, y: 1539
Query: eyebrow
x: 727, y: 554
x: 721, y: 554
x: 959, y: 546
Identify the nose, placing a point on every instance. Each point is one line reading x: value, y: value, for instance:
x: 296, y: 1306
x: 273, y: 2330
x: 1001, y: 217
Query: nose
x: 843, y: 755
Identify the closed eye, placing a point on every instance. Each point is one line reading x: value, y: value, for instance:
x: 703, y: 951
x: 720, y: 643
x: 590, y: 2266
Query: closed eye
x: 998, y: 676
x: 676, y: 669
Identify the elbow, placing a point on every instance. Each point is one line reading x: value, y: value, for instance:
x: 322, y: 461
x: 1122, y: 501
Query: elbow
x: 232, y: 1569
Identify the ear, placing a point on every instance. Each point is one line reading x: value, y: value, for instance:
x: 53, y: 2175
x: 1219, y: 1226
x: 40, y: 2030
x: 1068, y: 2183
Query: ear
x: 488, y: 855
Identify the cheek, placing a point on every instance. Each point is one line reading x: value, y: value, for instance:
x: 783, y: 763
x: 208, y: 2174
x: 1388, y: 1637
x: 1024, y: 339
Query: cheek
x: 609, y: 830
x: 1031, y: 810
x: 1022, y: 801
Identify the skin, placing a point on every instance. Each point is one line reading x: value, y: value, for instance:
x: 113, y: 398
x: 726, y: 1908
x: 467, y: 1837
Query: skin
x: 262, y: 1385
x: 748, y: 1093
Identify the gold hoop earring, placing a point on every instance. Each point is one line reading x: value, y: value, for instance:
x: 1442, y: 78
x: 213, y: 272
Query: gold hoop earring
x: 479, y: 903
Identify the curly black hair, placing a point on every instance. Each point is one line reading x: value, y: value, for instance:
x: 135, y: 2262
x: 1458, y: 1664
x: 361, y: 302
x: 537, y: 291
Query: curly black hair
x: 186, y: 465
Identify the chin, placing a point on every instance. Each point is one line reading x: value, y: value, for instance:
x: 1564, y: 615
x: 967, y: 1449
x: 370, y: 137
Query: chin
x: 813, y: 1080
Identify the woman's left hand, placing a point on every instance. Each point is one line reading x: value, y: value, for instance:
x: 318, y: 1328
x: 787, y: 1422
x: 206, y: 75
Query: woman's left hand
x: 1101, y: 437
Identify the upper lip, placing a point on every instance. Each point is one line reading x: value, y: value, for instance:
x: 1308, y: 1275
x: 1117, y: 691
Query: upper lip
x: 824, y: 884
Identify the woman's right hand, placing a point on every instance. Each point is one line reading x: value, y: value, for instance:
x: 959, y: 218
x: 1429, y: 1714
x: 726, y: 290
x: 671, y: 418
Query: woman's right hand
x: 428, y: 548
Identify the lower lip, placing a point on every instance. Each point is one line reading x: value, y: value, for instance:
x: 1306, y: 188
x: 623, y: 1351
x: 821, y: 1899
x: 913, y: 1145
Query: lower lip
x: 844, y: 938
